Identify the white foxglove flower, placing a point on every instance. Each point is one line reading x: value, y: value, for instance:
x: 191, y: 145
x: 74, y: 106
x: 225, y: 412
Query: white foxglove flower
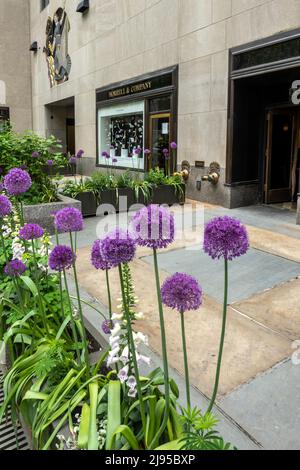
x: 144, y: 359
x: 132, y: 392
x: 131, y: 382
x: 125, y: 355
x: 123, y: 374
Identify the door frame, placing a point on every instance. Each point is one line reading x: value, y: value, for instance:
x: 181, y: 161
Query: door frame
x: 277, y: 195
x: 158, y: 115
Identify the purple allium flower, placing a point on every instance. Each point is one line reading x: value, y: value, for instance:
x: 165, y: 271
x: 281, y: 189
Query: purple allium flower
x: 147, y: 152
x: 15, y: 268
x: 23, y: 167
x: 5, y: 206
x: 225, y: 237
x: 97, y: 258
x: 115, y: 160
x: 1, y: 186
x: 61, y: 257
x: 138, y: 150
x: 181, y: 292
x: 173, y: 145
x: 35, y: 155
x: 50, y: 162
x: 153, y: 226
x: 165, y: 151
x: 105, y: 154
x: 118, y: 247
x: 68, y: 219
x: 107, y: 326
x: 80, y: 153
x: 72, y: 160
x: 17, y: 182
x: 31, y: 232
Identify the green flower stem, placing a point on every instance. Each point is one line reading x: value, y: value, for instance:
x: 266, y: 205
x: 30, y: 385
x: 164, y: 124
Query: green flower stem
x: 133, y: 352
x: 216, y: 386
x: 186, y: 366
x: 156, y: 438
x: 108, y: 294
x: 40, y: 300
x: 73, y: 326
x: 85, y: 343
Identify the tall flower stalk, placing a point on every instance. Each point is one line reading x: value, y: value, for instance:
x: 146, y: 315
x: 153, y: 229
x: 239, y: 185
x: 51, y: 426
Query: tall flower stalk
x: 153, y: 226
x: 224, y: 238
x: 182, y: 293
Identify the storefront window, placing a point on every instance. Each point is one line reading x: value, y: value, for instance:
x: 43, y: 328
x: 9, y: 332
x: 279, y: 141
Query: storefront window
x: 121, y: 135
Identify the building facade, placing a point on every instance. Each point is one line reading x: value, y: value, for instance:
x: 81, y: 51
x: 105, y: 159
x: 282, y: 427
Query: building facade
x: 219, y: 77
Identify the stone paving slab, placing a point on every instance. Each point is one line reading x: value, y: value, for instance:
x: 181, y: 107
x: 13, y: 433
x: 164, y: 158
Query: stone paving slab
x: 278, y: 308
x: 249, y: 348
x: 269, y: 407
x: 274, y: 243
x: 248, y: 275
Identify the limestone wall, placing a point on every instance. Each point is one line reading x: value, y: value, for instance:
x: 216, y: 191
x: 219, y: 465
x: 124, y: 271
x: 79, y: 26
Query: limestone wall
x: 119, y: 39
x: 15, y: 70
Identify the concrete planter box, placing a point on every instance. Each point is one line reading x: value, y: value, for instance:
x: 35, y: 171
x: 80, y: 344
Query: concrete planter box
x: 42, y: 214
x: 88, y: 203
x: 166, y: 194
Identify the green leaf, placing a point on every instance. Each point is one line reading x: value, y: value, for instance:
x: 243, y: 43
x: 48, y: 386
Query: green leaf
x: 128, y: 435
x: 30, y: 395
x: 30, y: 284
x: 83, y: 434
x: 93, y: 443
x: 113, y: 412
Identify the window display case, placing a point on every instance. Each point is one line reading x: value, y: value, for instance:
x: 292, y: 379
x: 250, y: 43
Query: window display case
x: 121, y: 135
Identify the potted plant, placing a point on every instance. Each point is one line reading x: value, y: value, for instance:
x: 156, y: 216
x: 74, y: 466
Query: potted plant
x: 166, y: 189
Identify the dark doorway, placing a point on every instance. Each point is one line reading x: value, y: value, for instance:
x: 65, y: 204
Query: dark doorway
x: 281, y: 151
x: 160, y: 140
x: 70, y: 138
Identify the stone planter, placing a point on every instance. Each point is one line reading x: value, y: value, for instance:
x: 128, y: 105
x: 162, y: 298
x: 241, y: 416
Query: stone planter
x: 67, y: 170
x: 166, y: 194
x: 88, y: 203
x: 42, y: 214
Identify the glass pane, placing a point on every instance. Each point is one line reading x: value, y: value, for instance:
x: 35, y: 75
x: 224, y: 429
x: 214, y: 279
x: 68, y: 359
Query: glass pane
x: 121, y: 133
x: 163, y: 103
x: 160, y: 139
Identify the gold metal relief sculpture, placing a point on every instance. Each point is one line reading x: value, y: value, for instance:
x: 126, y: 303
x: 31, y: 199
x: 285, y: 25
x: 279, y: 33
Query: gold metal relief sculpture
x: 56, y: 49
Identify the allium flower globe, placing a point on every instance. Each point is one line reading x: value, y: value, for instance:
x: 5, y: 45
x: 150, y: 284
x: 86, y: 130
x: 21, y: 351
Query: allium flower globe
x: 35, y: 155
x: 68, y: 219
x: 97, y: 258
x: 181, y: 292
x: 31, y: 232
x: 173, y: 145
x: 107, y: 326
x: 72, y: 160
x: 153, y: 226
x: 49, y: 162
x: 225, y: 237
x: 118, y: 247
x: 17, y: 182
x: 80, y: 153
x: 15, y: 268
x: 61, y: 257
x: 5, y: 206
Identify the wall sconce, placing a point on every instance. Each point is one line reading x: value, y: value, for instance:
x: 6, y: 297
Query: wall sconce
x: 34, y: 47
x: 83, y: 6
x: 185, y: 170
x: 214, y: 173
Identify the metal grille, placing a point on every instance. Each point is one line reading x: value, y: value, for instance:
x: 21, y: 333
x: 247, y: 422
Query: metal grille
x: 11, y: 437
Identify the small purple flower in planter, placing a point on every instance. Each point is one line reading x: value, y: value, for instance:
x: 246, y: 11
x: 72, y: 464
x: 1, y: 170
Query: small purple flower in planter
x: 31, y: 232
x: 225, y: 237
x: 61, y: 257
x: 96, y: 257
x: 72, y: 160
x: 17, y: 182
x: 15, y: 268
x: 173, y: 145
x: 49, y: 162
x: 5, y: 206
x: 68, y: 219
x: 107, y: 326
x: 147, y: 152
x: 118, y: 247
x: 138, y: 150
x: 165, y: 151
x: 153, y: 226
x: 35, y: 154
x: 80, y: 153
x: 115, y: 160
x: 181, y: 292
x: 105, y: 154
